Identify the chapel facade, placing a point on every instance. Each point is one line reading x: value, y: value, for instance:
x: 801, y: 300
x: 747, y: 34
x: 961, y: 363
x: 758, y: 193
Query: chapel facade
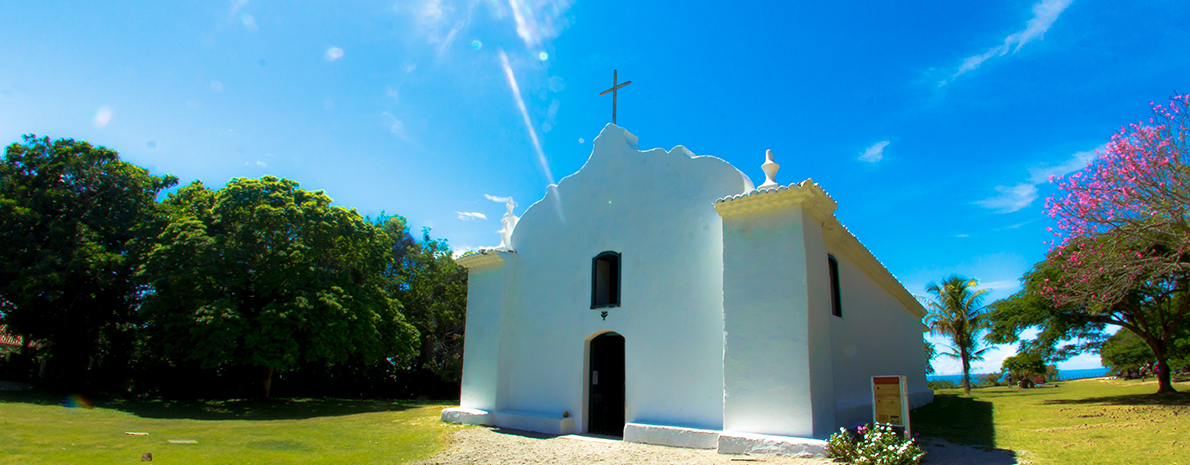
x: 660, y: 297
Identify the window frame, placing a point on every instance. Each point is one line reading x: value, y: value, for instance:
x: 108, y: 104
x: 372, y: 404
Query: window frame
x: 616, y: 279
x: 836, y: 292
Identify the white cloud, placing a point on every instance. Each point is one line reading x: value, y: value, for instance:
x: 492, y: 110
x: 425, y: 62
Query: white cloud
x: 450, y: 38
x: 334, y: 54
x: 1011, y: 198
x: 248, y: 21
x: 874, y: 153
x: 392, y: 93
x: 1044, y: 15
x: 261, y: 164
x: 395, y: 126
x: 497, y: 199
x: 1078, y: 161
x: 1014, y: 198
x: 103, y: 116
x: 466, y: 216
x: 236, y: 5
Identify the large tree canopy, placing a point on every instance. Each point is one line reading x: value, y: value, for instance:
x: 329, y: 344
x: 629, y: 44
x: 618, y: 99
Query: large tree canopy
x: 75, y: 220
x: 1122, y: 253
x: 265, y: 274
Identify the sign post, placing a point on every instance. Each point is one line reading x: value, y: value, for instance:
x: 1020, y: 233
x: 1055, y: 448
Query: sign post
x: 890, y: 401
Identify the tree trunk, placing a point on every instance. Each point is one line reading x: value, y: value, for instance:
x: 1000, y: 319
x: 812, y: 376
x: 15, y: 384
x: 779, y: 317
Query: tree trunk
x: 1164, y: 386
x: 1163, y: 377
x: 966, y: 373
x: 268, y: 382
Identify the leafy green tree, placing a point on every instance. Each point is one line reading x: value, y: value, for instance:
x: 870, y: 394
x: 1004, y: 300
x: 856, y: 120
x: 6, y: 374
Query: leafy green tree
x: 267, y: 275
x: 1125, y: 351
x: 432, y: 289
x: 1064, y: 298
x: 75, y: 221
x: 1024, y: 366
x: 955, y: 311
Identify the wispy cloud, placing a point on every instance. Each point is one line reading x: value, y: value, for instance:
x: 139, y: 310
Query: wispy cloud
x: 103, y: 116
x: 450, y: 38
x: 497, y: 199
x: 1011, y: 198
x: 1041, y: 174
x: 467, y: 216
x: 395, y: 126
x: 1019, y: 196
x: 874, y: 153
x: 393, y: 94
x: 539, y: 21
x: 516, y: 93
x: 1044, y: 15
x: 334, y: 54
x: 248, y: 21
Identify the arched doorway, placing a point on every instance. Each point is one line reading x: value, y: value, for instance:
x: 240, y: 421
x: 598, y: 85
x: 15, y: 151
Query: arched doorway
x: 605, y: 383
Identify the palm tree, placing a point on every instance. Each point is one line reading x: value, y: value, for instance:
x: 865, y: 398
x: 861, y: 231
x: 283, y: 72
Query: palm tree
x: 955, y: 311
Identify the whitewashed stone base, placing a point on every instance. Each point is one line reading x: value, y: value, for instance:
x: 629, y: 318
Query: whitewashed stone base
x: 533, y: 421
x: 466, y: 416
x: 525, y: 421
x: 760, y: 444
x: 672, y: 436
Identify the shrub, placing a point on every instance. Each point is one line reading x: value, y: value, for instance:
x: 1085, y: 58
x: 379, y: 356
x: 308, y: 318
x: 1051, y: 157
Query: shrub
x: 873, y: 445
x: 941, y: 384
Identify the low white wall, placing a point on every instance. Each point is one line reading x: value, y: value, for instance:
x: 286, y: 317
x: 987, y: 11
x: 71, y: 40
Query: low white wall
x: 672, y: 436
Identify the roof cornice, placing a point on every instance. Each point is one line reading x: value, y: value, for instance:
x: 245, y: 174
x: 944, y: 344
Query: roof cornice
x: 481, y: 258
x: 808, y: 194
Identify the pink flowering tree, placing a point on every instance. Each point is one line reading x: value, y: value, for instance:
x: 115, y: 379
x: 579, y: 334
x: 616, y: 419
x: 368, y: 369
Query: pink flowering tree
x: 1121, y: 253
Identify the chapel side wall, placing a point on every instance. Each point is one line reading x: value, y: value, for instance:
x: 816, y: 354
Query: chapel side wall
x: 818, y: 316
x: 656, y: 210
x: 766, y: 363
x: 876, y: 336
x: 485, y: 287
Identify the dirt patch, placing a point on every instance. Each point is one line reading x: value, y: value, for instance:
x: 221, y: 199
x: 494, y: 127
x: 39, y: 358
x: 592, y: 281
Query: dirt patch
x: 482, y: 445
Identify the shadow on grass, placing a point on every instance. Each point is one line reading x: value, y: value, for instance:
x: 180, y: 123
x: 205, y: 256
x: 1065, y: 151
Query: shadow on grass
x: 957, y: 419
x: 1176, y: 398
x: 234, y: 409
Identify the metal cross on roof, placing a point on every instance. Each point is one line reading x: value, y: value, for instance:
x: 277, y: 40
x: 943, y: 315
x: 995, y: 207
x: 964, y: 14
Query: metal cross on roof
x: 613, y: 90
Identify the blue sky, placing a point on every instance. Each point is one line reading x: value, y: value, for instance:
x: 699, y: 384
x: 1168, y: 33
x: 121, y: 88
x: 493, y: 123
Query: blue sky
x: 934, y: 125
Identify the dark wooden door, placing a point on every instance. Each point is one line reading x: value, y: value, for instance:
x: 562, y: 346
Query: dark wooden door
x: 605, y: 407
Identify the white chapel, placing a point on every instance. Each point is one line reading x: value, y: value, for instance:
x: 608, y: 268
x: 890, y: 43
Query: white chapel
x: 660, y: 297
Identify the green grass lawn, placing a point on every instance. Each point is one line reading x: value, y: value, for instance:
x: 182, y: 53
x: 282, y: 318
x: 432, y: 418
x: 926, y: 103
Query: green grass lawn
x: 1086, y: 421
x: 39, y: 429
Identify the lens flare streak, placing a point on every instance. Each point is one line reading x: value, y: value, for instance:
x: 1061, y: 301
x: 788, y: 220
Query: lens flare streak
x: 516, y: 92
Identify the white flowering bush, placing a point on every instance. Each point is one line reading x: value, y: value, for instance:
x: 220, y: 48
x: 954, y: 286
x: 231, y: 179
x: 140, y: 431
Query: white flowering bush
x: 873, y: 445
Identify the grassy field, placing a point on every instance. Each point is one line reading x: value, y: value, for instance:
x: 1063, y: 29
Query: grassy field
x: 39, y: 428
x: 1086, y: 421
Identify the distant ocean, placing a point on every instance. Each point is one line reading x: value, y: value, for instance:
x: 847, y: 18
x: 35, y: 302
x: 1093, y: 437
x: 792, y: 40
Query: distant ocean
x: 1062, y: 375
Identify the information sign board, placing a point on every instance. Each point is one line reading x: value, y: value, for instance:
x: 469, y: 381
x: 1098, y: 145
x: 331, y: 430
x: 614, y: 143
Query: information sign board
x: 890, y: 401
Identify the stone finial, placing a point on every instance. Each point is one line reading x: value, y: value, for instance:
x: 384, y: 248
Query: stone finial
x: 509, y: 222
x: 770, y: 171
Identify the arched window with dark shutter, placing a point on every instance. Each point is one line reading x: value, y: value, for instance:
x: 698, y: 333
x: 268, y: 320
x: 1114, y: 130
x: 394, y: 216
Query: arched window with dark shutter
x: 836, y: 298
x: 605, y: 280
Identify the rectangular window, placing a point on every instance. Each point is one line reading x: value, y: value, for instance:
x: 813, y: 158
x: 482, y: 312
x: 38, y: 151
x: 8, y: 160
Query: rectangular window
x: 836, y: 300
x: 605, y: 280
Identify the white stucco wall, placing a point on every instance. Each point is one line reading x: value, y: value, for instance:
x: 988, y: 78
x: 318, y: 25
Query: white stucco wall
x: 485, y: 289
x: 656, y: 209
x: 876, y: 336
x: 777, y: 360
